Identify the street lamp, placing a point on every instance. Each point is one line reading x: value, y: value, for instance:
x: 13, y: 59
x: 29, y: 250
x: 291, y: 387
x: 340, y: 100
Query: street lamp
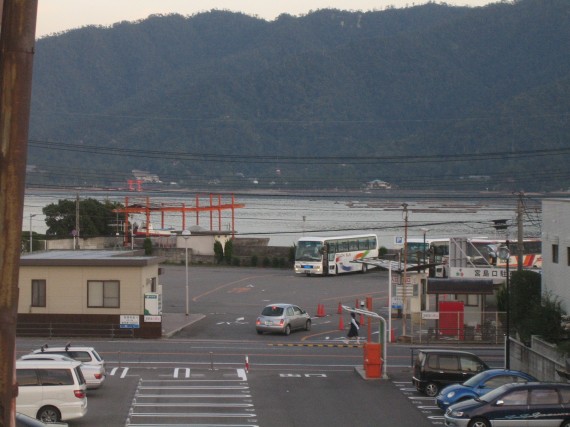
x: 505, y: 255
x: 186, y: 235
x: 31, y: 247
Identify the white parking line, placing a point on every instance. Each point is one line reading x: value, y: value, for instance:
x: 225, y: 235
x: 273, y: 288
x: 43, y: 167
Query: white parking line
x: 186, y: 371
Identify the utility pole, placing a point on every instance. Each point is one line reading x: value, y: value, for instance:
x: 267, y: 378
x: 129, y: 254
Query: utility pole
x: 520, y: 233
x: 76, y: 221
x: 17, y: 41
x: 404, y: 278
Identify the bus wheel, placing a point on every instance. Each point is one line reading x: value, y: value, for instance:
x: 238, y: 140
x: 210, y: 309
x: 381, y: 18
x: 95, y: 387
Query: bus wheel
x: 364, y: 268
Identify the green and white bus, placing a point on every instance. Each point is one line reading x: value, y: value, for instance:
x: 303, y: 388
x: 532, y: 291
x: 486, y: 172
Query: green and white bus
x: 335, y: 254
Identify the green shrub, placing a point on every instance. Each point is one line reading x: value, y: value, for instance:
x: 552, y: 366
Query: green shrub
x: 254, y: 260
x: 218, y: 251
x: 266, y: 262
x: 147, y: 245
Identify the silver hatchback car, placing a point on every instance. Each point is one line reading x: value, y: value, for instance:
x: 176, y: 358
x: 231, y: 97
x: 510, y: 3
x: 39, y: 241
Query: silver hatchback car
x: 282, y: 318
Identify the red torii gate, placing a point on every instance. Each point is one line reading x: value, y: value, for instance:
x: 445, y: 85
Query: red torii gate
x: 147, y: 209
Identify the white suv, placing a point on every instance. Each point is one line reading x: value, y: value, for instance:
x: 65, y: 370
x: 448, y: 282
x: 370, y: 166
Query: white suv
x: 50, y: 390
x: 88, y: 356
x: 94, y: 374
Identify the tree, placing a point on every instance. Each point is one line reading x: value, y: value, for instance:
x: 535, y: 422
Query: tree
x: 218, y: 251
x: 228, y: 251
x: 95, y: 218
x: 525, y: 299
x: 530, y: 312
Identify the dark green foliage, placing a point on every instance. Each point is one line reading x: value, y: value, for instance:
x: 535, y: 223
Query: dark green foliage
x: 430, y: 85
x: 229, y: 251
x: 266, y: 262
x: 236, y: 262
x: 382, y: 251
x: 275, y: 262
x: 254, y: 260
x: 530, y: 312
x: 525, y: 299
x: 147, y: 245
x: 292, y: 250
x: 95, y: 218
x: 218, y: 251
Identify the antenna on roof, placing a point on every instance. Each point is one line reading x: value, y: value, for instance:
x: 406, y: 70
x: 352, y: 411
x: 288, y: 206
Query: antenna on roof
x: 44, y: 347
x: 67, y: 346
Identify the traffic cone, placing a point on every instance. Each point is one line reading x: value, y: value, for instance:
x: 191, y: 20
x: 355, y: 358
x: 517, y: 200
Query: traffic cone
x: 339, y: 309
x: 340, y: 324
x: 246, y: 364
x: 323, y: 314
x: 319, y: 312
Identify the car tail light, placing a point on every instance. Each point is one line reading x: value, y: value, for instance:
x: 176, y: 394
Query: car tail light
x: 258, y: 322
x: 281, y: 322
x: 80, y: 394
x: 98, y: 376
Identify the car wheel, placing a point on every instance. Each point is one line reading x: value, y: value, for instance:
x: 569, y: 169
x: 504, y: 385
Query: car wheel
x: 49, y: 414
x: 432, y: 389
x: 565, y: 423
x: 308, y: 325
x: 259, y: 332
x: 287, y: 329
x: 479, y: 422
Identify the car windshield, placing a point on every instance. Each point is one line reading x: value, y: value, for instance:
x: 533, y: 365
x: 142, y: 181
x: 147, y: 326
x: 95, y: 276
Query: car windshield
x: 493, y: 394
x: 473, y: 381
x: 272, y: 310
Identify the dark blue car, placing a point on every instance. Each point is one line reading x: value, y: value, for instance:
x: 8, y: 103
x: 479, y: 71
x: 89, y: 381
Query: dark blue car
x: 515, y: 404
x: 480, y: 384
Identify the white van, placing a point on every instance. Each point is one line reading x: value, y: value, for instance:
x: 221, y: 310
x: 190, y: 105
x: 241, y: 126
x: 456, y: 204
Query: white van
x: 94, y: 374
x: 50, y: 390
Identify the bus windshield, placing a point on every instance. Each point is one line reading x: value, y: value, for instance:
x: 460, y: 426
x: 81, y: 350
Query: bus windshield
x: 309, y: 251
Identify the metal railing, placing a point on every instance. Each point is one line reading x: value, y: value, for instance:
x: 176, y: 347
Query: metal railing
x: 85, y: 330
x: 489, y: 328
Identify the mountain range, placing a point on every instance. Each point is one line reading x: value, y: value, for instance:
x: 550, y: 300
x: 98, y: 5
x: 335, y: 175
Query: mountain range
x: 431, y: 96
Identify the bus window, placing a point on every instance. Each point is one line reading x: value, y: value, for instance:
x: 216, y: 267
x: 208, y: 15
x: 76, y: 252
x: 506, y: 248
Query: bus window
x: 362, y: 244
x: 353, y: 245
x: 343, y: 246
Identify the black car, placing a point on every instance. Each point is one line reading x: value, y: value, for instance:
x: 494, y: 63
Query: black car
x: 435, y: 369
x: 517, y: 404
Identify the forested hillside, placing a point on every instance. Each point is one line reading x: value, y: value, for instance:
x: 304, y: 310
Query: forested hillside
x: 429, y: 96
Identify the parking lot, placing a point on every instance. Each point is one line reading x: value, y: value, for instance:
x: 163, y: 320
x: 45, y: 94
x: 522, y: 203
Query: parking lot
x: 199, y: 376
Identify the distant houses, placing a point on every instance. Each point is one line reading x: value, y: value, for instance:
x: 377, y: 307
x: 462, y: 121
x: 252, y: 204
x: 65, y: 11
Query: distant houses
x: 378, y: 185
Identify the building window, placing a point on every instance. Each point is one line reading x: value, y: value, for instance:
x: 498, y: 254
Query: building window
x: 153, y: 284
x: 555, y: 254
x: 472, y: 300
x: 103, y: 293
x: 38, y: 293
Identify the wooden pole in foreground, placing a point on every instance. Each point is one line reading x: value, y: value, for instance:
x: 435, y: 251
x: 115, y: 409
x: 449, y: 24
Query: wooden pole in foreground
x: 17, y: 41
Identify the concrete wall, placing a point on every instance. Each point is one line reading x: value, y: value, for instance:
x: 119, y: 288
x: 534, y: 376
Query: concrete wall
x: 540, y: 359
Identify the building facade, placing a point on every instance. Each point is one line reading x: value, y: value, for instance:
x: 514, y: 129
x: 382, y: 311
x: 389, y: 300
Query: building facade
x: 556, y: 248
x: 90, y: 292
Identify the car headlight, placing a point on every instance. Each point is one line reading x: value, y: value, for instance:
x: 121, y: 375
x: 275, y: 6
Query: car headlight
x: 450, y: 394
x: 457, y: 414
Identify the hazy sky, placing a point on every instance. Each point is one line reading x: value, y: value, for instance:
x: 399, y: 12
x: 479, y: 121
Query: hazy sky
x: 60, y: 15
